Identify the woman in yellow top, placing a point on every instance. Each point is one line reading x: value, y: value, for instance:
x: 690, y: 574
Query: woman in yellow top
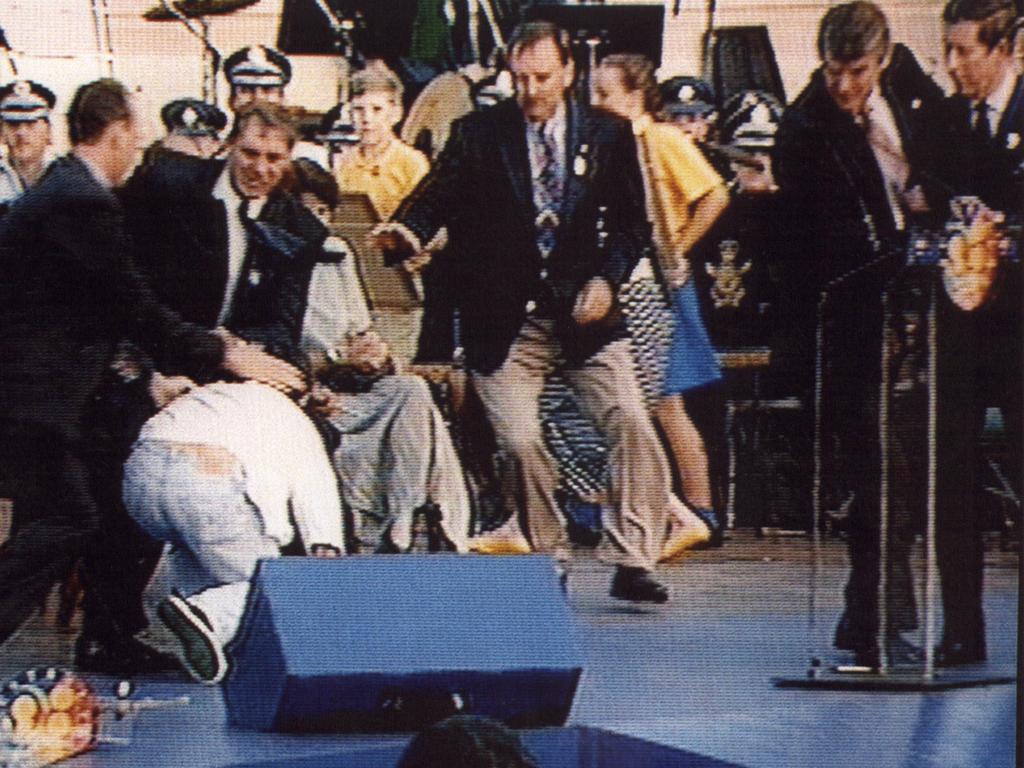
x: 380, y: 165
x: 684, y: 197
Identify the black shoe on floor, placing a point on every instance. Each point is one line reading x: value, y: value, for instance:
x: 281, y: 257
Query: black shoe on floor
x: 959, y: 654
x: 710, y: 518
x: 121, y: 656
x: 637, y: 585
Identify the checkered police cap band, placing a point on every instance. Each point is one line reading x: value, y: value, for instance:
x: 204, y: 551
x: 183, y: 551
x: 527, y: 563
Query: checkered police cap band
x: 24, y: 101
x: 258, y: 66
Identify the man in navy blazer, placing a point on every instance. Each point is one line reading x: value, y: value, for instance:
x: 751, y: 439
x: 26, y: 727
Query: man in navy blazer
x: 541, y: 201
x: 222, y: 242
x: 69, y: 293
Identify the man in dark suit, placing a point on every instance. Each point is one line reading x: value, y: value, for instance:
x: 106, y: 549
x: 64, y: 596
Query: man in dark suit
x: 68, y: 293
x: 222, y: 242
x: 851, y: 163
x: 979, y: 332
x: 543, y: 204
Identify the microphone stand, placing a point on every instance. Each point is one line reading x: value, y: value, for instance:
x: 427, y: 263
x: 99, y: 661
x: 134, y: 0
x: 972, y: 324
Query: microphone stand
x: 816, y: 512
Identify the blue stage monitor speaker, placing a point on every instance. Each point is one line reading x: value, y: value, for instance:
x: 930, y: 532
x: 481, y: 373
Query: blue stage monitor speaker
x: 394, y: 642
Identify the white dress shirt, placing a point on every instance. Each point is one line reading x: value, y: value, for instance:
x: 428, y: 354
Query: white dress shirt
x: 997, y: 101
x: 887, y: 146
x: 238, y: 243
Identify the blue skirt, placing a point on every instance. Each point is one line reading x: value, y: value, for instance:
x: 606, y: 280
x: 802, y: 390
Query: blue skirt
x: 691, y: 359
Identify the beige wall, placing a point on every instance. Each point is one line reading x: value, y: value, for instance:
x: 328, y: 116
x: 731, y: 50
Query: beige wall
x: 57, y: 42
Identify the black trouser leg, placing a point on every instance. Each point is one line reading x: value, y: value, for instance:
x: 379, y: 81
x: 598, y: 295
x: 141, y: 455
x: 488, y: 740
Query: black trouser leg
x: 861, y: 461
x: 116, y: 570
x: 959, y: 540
x: 54, y: 516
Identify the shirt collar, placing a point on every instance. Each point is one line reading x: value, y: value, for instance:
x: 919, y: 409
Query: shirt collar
x: 874, y: 103
x: 379, y: 158
x: 999, y: 99
x: 642, y: 123
x: 97, y: 174
x: 225, y: 191
x: 555, y: 126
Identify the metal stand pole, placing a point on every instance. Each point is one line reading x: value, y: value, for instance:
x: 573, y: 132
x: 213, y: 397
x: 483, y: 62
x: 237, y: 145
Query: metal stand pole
x: 812, y: 592
x: 929, y: 542
x: 885, y: 390
x: 888, y: 677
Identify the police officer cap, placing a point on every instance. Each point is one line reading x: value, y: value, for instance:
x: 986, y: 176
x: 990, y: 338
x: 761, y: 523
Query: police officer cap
x: 750, y: 120
x: 258, y: 65
x: 24, y: 101
x: 192, y: 117
x: 687, y: 96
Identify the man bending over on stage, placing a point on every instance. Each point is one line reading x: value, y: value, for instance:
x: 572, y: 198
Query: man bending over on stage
x: 228, y: 474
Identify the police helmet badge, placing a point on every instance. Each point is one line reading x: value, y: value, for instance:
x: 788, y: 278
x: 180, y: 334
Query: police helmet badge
x: 189, y: 117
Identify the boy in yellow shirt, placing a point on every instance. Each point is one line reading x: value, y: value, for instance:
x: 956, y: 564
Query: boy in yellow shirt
x: 380, y: 165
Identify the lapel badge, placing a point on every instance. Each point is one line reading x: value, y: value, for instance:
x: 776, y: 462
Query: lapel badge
x: 915, y: 104
x: 255, y: 277
x: 579, y: 163
x: 1012, y: 140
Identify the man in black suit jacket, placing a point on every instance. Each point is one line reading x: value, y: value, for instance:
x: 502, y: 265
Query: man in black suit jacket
x: 543, y: 205
x: 222, y: 243
x: 979, y: 333
x: 851, y: 162
x: 68, y: 293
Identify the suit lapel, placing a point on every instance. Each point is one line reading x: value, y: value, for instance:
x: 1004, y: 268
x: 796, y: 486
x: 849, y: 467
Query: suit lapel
x: 516, y: 159
x: 1014, y: 114
x: 574, y: 139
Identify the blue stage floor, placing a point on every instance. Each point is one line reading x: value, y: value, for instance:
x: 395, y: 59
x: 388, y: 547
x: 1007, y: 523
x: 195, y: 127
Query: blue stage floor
x: 695, y: 674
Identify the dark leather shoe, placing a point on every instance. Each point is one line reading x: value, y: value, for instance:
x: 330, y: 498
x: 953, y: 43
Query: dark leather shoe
x: 121, y: 656
x: 637, y: 585
x: 958, y: 654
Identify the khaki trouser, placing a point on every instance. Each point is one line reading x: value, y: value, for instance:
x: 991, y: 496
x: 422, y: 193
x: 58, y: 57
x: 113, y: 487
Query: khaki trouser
x: 610, y: 396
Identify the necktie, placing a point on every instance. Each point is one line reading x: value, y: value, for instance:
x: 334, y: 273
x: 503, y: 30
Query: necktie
x: 550, y: 191
x: 551, y: 184
x: 982, y: 126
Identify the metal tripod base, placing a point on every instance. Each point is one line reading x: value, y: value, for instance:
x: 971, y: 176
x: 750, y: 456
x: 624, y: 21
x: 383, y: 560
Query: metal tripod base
x: 902, y: 679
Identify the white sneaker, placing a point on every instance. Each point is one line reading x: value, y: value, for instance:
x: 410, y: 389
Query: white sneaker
x: 202, y: 654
